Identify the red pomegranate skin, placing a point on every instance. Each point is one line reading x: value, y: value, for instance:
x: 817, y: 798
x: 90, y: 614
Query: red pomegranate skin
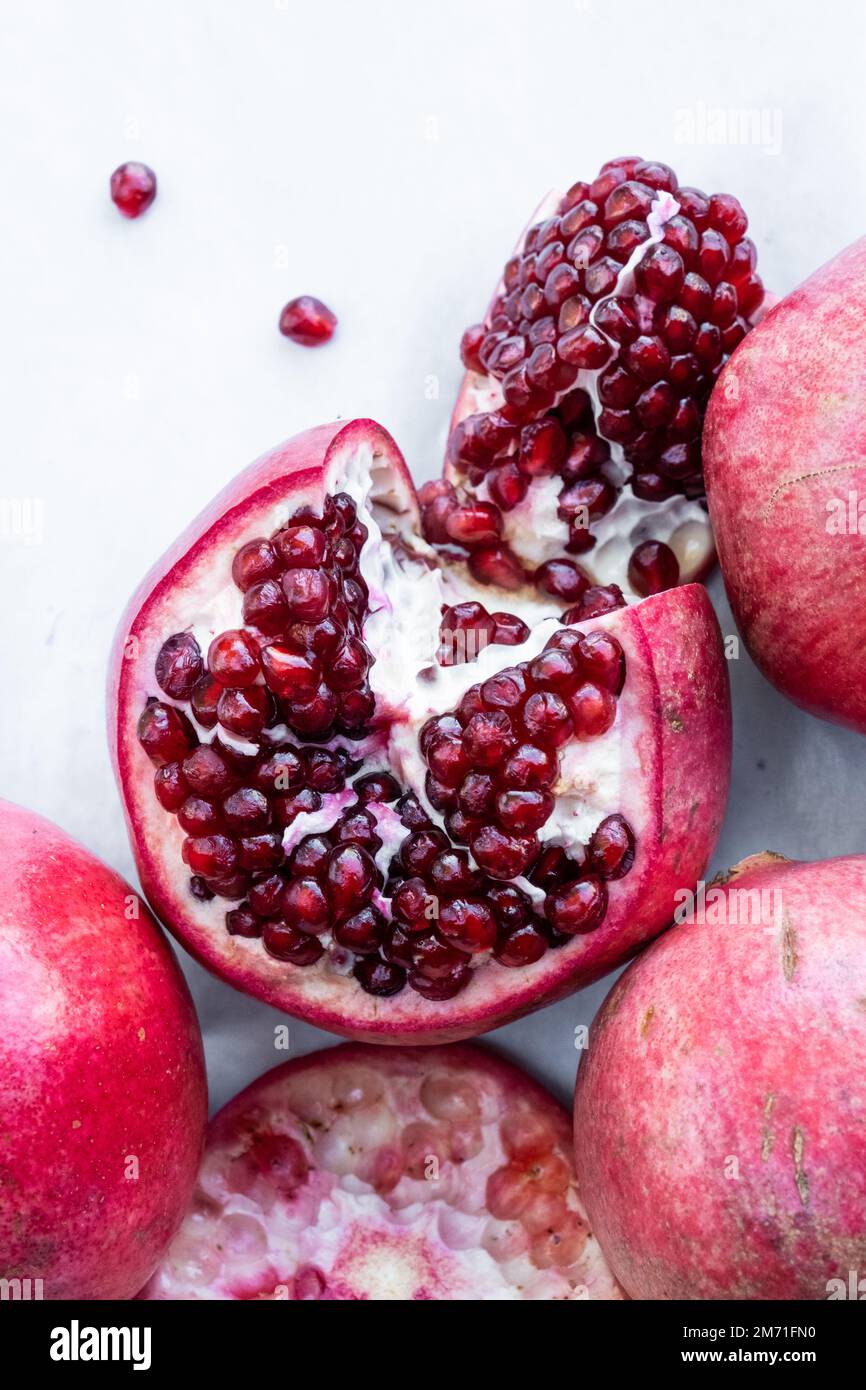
x: 720, y: 1108
x: 675, y: 704
x: 785, y: 439
x: 103, y: 1097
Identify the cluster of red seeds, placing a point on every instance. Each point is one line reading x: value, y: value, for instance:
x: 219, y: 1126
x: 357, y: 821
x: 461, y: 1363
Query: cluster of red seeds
x: 656, y: 352
x: 301, y: 662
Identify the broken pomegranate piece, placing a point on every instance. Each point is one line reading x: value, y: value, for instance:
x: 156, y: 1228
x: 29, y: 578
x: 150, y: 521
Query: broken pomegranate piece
x: 357, y: 792
x: 400, y: 1174
x: 578, y: 424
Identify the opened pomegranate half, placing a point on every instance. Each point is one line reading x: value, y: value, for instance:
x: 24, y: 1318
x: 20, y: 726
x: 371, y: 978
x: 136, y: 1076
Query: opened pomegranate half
x: 575, y: 445
x: 358, y: 794
x: 412, y: 1173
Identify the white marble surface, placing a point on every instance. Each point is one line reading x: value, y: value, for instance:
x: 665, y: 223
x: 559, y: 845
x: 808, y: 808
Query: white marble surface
x: 382, y: 156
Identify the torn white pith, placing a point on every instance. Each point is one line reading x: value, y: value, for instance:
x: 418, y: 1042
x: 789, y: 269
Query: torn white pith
x: 533, y: 528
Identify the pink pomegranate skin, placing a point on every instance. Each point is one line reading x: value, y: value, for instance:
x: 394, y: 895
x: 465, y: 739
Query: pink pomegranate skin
x: 721, y: 1106
x: 784, y: 447
x: 103, y: 1097
x: 675, y: 706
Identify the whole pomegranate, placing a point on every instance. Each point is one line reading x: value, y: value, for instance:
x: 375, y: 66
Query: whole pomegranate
x: 576, y: 438
x: 720, y: 1112
x: 412, y: 1173
x: 359, y: 794
x: 785, y: 450
x: 102, y: 1086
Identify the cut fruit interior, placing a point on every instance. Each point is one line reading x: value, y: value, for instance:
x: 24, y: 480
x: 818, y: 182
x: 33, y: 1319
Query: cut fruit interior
x: 578, y: 424
x: 357, y: 1173
x: 357, y: 793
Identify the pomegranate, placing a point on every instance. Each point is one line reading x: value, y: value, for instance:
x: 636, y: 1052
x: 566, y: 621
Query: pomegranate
x: 102, y: 1086
x: 719, y: 1113
x: 357, y: 793
x: 575, y: 439
x: 133, y: 188
x: 411, y: 1173
x: 307, y: 321
x: 785, y: 447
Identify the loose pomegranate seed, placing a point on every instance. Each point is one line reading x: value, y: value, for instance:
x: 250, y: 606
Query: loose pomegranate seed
x: 510, y: 630
x: 307, y: 321
x: 474, y: 523
x: 133, y: 188
x: 577, y: 908
x: 653, y: 567
x: 612, y: 848
x: 496, y: 564
x: 179, y: 665
x: 233, y: 658
x: 562, y: 579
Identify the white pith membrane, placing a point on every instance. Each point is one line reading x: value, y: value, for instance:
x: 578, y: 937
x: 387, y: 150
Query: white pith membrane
x: 385, y: 1174
x: 533, y: 529
x: 407, y: 588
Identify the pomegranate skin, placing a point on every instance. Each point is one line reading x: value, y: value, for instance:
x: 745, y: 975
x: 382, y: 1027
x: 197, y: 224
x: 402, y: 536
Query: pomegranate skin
x: 784, y: 447
x: 719, y: 1110
x: 103, y: 1097
x: 675, y: 717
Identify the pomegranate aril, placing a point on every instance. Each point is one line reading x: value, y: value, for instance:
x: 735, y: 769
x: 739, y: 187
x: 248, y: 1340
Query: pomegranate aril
x: 306, y: 320
x: 438, y: 727
x: 530, y: 767
x: 350, y: 875
x: 265, y: 895
x: 450, y: 873
x: 652, y: 568
x: 179, y: 665
x: 284, y: 941
x: 308, y: 594
x: 199, y: 816
x: 288, y: 808
x: 470, y: 344
x: 419, y: 849
x: 355, y: 710
x: 496, y: 564
x: 595, y: 602
x: 522, y: 945
x: 379, y: 977
x: 302, y: 547
x: 260, y: 853
x: 314, y: 714
x: 281, y: 771
x: 361, y: 933
x: 412, y: 813
x: 208, y: 773
x: 164, y: 733
x: 561, y: 578
x: 309, y: 856
x: 133, y: 188
x: 583, y: 347
x: 602, y: 660
x: 357, y: 827
x: 475, y: 796
x: 347, y: 668
x: 242, y: 922
x: 305, y: 906
x: 468, y: 924
x: 593, y: 710
x: 254, y: 563
x: 170, y: 786
x: 232, y: 886
x: 648, y: 358
x: 264, y: 607
x: 546, y: 719
x: 212, y: 856
x: 488, y: 737
x: 510, y: 630
x: 446, y: 986
x: 409, y: 904
x: 521, y: 812
x: 397, y: 946
x: 577, y: 908
x: 244, y: 712
x: 233, y: 658
x: 660, y: 273
x: 505, y: 690
x: 612, y: 847
x: 502, y: 855
x: 507, y: 486
x: 542, y: 448
x: 474, y: 523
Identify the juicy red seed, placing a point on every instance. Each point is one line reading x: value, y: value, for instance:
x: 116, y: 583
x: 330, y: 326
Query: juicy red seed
x: 445, y: 987
x: 653, y: 567
x: 440, y: 726
x: 254, y: 563
x: 648, y: 358
x: 546, y: 718
x: 496, y: 564
x: 555, y: 668
x: 470, y: 344
x: 447, y: 760
x: 602, y: 660
x: 324, y: 770
x: 348, y: 667
x: 505, y: 690
x: 280, y: 772
x: 170, y: 786
x: 510, y: 630
x: 350, y: 875
x: 412, y: 814
x: 306, y: 320
x: 179, y: 665
x: 305, y: 906
x: 418, y: 850
x: 562, y: 579
x: 511, y: 908
x: 265, y: 895
x: 583, y: 347
x: 302, y: 547
x: 611, y: 847
x: 398, y: 946
x: 475, y: 796
x: 287, y: 942
x: 199, y: 816
x: 469, y: 924
x: 133, y: 188
x: 244, y: 712
x: 593, y: 710
x: 410, y: 902
x: 507, y: 486
x: 660, y: 273
x: 542, y: 448
x: 309, y: 856
x: 577, y: 908
x: 233, y: 658
x: 628, y: 199
x: 502, y: 855
x: 264, y: 607
x: 713, y: 256
x: 208, y: 773
x: 204, y: 701
x: 727, y: 216
x: 650, y: 487
x: 314, y: 714
x: 288, y: 808
x: 379, y: 977
x: 523, y: 945
x: 586, y: 500
x: 212, y: 856
x: 488, y: 737
x: 164, y: 733
x: 522, y: 812
x: 595, y: 602
x: 554, y: 866
x: 474, y: 523
x: 363, y: 932
x: 616, y: 319
x: 435, y: 958
x: 357, y: 827
x: 378, y: 788
x: 530, y: 767
x: 242, y: 922
x: 450, y: 873
x: 261, y: 853
x: 308, y: 594
x: 355, y: 709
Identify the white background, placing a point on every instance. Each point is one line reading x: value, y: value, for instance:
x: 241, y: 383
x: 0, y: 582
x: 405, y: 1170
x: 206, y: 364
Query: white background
x: 382, y: 156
